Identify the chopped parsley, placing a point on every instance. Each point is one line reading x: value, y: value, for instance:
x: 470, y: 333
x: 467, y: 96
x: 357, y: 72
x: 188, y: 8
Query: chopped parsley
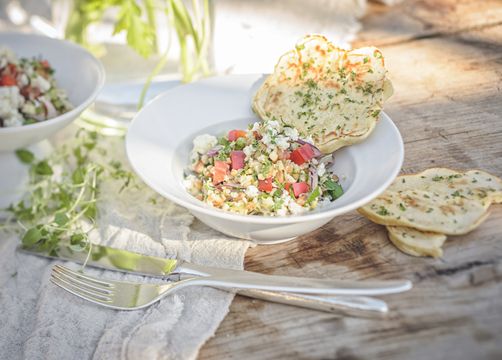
x: 383, y: 211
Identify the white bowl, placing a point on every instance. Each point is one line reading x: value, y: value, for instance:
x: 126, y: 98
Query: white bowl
x: 76, y: 71
x: 160, y: 137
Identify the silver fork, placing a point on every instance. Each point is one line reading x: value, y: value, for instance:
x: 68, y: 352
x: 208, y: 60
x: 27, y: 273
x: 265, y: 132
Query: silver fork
x: 122, y: 295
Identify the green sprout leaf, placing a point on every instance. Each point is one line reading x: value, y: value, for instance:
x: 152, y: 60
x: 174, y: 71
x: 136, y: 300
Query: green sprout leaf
x: 25, y: 156
x: 32, y: 236
x: 43, y: 168
x: 61, y: 219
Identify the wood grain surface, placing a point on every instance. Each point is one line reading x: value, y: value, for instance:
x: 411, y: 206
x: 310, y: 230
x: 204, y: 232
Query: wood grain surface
x: 445, y: 60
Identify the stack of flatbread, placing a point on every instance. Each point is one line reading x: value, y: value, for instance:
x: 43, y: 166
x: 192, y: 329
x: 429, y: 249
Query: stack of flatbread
x: 420, y: 210
x: 329, y: 94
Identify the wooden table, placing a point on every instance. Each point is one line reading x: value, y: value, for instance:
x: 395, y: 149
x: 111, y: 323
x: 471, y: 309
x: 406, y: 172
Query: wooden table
x: 445, y: 60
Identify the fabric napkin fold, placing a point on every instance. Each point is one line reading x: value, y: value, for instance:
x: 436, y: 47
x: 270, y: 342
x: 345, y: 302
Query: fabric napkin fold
x: 42, y: 321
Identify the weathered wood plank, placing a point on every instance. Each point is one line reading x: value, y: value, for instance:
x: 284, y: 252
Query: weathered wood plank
x: 448, y: 106
x: 415, y: 19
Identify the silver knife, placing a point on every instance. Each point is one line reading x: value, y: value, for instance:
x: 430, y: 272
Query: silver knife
x: 125, y: 261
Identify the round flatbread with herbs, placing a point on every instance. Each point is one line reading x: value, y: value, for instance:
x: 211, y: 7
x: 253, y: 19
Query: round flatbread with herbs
x: 437, y: 200
x: 333, y: 95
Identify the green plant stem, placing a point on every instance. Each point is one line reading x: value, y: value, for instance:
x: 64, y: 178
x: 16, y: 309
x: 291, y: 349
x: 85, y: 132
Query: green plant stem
x: 150, y: 14
x: 160, y: 65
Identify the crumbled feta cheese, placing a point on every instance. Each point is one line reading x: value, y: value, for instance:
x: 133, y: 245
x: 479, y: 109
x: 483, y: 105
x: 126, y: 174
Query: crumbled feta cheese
x: 41, y: 83
x: 295, y: 208
x: 273, y: 124
x: 321, y: 170
x: 23, y: 80
x: 283, y: 211
x: 14, y: 119
x: 248, y: 150
x: 282, y: 142
x: 267, y: 139
x: 9, y: 98
x: 203, y: 143
x: 292, y: 133
x: 256, y: 126
x: 268, y: 202
x: 252, y: 191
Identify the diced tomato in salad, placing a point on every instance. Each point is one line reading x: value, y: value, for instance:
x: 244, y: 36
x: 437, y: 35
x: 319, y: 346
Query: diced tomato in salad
x: 265, y: 185
x: 7, y: 80
x: 296, y: 157
x: 300, y: 188
x: 303, y: 154
x: 220, y: 171
x: 237, y: 157
x: 235, y: 134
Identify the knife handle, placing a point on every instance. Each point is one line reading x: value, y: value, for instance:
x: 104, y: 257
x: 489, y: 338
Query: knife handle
x: 359, y: 306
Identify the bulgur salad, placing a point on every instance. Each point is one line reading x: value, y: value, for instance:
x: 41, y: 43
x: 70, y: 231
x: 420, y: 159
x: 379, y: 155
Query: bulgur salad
x: 267, y: 169
x: 28, y: 91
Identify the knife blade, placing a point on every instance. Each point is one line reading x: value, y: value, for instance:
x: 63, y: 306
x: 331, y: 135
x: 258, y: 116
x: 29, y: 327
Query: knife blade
x: 109, y: 258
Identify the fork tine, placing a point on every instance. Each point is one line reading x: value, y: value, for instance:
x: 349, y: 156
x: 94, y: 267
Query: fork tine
x: 64, y: 269
x: 78, y: 282
x: 82, y: 293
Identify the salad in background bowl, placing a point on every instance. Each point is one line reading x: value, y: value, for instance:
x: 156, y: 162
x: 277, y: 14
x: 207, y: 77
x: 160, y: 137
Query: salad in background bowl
x: 28, y: 91
x: 46, y: 84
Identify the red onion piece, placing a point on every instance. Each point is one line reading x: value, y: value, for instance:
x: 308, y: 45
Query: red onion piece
x: 50, y: 110
x: 214, y: 151
x: 313, y: 177
x: 230, y: 185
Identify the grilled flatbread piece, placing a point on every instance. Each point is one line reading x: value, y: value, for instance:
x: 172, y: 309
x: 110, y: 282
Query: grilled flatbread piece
x: 437, y: 200
x: 333, y: 95
x: 415, y: 242
x: 474, y: 184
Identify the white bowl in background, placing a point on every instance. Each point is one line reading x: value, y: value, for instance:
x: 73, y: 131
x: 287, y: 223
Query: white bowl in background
x: 76, y: 70
x: 159, y: 141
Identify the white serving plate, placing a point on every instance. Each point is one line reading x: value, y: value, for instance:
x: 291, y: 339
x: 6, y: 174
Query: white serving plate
x: 160, y: 137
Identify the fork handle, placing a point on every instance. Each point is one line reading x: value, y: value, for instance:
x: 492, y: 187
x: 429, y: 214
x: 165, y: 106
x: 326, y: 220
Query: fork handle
x: 296, y: 284
x: 359, y: 306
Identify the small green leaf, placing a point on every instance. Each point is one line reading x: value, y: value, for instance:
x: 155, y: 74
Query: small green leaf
x: 78, y: 242
x: 31, y: 237
x: 25, y: 156
x: 43, y: 168
x: 335, y: 190
x: 314, y: 195
x: 78, y: 176
x: 91, y: 212
x: 61, y: 219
